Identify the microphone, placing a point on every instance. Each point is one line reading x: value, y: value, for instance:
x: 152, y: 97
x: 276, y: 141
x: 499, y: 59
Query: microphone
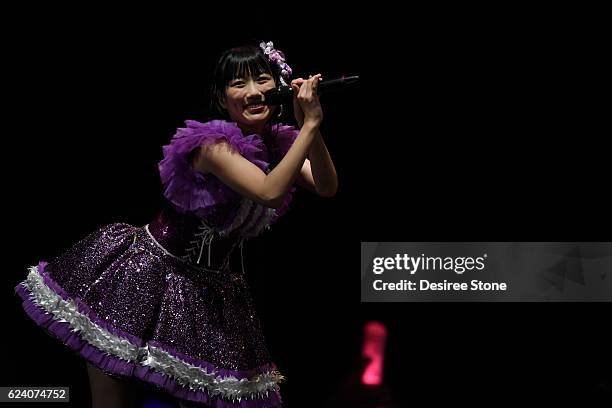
x: 284, y: 94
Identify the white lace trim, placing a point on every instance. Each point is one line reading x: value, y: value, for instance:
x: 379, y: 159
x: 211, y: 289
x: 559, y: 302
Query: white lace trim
x: 241, y: 215
x: 184, y: 373
x: 264, y: 222
x: 251, y: 218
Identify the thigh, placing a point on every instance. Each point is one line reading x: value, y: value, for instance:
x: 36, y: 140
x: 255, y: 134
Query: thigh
x: 109, y: 392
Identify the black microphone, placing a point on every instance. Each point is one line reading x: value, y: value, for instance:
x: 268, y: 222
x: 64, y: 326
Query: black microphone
x: 284, y: 94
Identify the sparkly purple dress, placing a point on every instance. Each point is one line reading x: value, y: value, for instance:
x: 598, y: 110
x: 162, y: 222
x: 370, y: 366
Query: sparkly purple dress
x: 161, y: 302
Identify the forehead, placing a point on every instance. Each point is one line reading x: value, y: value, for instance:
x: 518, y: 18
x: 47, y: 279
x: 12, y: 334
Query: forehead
x: 247, y: 71
x: 249, y: 76
x: 246, y: 67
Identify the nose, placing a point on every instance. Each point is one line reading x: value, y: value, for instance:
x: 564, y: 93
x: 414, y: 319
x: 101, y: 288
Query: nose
x: 253, y: 91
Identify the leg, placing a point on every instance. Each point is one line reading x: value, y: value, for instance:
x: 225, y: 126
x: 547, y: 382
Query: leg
x: 108, y: 392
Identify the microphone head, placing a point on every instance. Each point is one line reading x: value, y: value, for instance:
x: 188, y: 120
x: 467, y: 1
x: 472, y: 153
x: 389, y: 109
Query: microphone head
x: 278, y: 96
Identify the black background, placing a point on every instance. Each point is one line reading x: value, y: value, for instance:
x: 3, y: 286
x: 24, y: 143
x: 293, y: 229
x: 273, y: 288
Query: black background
x: 463, y: 128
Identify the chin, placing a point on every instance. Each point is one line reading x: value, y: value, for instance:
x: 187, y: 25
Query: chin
x: 259, y: 118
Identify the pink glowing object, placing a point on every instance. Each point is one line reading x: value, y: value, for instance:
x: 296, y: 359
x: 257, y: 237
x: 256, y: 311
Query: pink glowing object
x: 374, y: 339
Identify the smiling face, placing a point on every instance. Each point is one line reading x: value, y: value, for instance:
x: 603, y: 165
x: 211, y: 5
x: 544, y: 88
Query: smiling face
x: 243, y: 97
x: 242, y: 76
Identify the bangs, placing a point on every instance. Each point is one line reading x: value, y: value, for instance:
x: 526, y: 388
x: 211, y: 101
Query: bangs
x: 246, y: 61
x: 244, y: 65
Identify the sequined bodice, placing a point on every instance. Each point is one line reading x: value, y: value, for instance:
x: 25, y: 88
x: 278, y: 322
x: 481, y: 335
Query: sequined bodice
x: 192, y: 239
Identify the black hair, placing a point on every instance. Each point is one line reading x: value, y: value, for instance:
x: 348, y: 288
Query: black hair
x: 239, y: 62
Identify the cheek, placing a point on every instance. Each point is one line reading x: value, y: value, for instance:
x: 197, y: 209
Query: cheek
x: 233, y: 105
x: 233, y: 97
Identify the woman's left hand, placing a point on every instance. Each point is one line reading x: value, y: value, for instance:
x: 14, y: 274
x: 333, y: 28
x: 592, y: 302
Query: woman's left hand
x: 298, y: 113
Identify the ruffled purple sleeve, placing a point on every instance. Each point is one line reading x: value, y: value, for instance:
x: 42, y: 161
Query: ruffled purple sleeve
x: 191, y: 190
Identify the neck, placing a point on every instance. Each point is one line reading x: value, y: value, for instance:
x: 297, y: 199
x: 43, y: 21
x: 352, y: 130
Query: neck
x: 260, y: 128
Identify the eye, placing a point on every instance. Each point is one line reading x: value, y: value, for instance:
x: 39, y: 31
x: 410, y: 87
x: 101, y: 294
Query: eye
x: 237, y: 84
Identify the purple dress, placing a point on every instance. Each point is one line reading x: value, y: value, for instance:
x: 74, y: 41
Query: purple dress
x: 161, y: 302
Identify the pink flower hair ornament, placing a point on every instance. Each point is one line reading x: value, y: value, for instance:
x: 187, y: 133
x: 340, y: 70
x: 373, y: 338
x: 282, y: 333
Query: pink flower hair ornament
x: 278, y: 58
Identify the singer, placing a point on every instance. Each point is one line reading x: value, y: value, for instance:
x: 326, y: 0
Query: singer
x: 161, y: 303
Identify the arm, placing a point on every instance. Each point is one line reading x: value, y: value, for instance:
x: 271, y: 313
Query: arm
x: 246, y: 178
x: 318, y: 174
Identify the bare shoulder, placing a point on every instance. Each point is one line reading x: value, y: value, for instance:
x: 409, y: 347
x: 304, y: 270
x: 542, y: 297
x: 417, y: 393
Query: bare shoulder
x: 204, y: 158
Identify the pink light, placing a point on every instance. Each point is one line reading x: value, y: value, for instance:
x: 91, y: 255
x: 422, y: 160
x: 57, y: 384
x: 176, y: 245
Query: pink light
x: 374, y: 339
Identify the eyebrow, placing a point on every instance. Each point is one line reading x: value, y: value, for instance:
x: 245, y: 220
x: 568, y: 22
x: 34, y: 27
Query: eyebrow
x: 256, y: 76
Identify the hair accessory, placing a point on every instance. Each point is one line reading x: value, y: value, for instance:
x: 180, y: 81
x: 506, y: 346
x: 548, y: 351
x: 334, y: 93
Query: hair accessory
x: 278, y: 58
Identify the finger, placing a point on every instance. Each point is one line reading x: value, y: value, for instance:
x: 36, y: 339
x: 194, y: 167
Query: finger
x: 315, y: 82
x: 297, y: 82
x: 303, y: 88
x: 308, y: 87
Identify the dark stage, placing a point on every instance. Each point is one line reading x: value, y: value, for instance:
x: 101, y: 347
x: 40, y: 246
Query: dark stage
x: 456, y: 132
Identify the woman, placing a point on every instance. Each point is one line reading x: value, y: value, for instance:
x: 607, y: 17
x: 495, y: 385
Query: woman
x: 161, y: 303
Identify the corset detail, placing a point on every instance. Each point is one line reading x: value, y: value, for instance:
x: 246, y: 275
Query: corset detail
x: 192, y: 239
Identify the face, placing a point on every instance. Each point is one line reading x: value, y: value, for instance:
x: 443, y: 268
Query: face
x: 243, y: 98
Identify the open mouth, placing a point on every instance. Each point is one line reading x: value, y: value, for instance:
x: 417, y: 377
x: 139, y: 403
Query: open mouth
x: 255, y: 107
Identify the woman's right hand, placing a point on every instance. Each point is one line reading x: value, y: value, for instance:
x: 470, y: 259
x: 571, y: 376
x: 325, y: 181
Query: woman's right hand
x: 306, y: 104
